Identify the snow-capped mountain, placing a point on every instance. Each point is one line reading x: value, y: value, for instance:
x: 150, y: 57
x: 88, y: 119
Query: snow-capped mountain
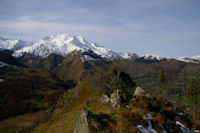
x: 155, y: 57
x: 63, y: 44
x: 128, y: 55
x: 193, y: 59
x: 13, y: 44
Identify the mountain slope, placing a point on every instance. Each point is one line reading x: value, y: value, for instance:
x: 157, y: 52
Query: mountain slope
x: 6, y: 56
x: 47, y: 63
x: 71, y: 68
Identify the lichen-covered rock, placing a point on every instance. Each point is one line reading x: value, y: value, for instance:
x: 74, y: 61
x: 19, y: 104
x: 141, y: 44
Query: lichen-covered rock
x: 82, y: 123
x: 140, y: 92
x: 115, y: 99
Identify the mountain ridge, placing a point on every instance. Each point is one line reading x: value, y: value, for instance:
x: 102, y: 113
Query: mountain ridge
x: 192, y: 59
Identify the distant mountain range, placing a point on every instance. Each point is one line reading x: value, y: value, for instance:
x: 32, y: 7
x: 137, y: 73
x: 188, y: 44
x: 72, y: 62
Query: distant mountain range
x: 13, y: 44
x: 63, y: 44
x: 193, y: 59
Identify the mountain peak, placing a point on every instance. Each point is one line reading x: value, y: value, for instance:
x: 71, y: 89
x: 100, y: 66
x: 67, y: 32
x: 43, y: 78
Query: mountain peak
x: 64, y: 37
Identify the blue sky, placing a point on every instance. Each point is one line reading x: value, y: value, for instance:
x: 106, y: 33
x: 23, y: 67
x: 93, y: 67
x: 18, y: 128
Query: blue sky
x: 160, y: 27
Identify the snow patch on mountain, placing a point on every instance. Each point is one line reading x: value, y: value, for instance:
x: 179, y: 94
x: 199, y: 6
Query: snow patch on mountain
x: 128, y: 55
x: 13, y: 44
x: 63, y: 44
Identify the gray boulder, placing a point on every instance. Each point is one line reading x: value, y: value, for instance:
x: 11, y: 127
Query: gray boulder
x: 141, y: 92
x: 115, y: 99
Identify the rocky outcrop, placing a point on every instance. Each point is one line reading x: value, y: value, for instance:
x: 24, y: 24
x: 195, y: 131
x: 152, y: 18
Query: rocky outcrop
x: 115, y: 99
x: 82, y: 123
x: 141, y: 92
